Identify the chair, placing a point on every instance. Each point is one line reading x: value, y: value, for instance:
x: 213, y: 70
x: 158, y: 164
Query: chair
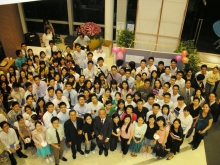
x: 216, y: 28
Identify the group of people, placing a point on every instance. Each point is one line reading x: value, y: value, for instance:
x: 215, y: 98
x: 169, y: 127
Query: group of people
x: 52, y: 101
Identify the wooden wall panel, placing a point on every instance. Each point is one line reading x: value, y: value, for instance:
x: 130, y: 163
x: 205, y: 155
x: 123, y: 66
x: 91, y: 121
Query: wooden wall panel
x: 11, y: 33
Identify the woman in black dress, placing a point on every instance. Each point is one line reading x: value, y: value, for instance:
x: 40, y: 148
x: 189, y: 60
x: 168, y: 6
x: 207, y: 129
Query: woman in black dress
x: 115, y: 132
x: 6, y: 92
x: 175, y: 138
x: 202, y: 125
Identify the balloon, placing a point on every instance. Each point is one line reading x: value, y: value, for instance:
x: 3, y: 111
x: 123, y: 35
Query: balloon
x: 115, y: 49
x: 185, y: 60
x: 122, y: 49
x: 184, y: 53
x: 178, y: 58
x: 119, y: 55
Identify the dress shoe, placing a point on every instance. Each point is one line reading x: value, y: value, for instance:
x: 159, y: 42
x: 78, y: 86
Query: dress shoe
x: 64, y: 159
x: 74, y: 156
x: 24, y: 156
x: 100, y: 152
x: 190, y: 143
x: 106, y: 153
x: 81, y: 152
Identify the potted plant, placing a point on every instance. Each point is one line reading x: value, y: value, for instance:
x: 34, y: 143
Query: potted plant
x: 125, y: 38
x: 193, y: 62
x: 93, y: 31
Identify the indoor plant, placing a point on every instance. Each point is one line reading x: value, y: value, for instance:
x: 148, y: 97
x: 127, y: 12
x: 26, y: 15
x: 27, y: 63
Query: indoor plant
x: 192, y: 55
x: 125, y: 38
x: 93, y: 31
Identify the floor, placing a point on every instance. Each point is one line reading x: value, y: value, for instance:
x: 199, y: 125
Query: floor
x: 185, y: 157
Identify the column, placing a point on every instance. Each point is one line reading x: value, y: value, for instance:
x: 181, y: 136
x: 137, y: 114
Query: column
x: 22, y: 17
x: 109, y: 12
x: 70, y: 16
x: 122, y: 12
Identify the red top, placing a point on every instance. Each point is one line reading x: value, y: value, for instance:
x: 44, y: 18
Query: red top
x: 133, y: 117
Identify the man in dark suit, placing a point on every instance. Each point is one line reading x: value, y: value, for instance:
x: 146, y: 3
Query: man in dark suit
x: 103, y: 129
x: 197, y: 83
x: 214, y: 107
x: 187, y: 92
x: 73, y: 132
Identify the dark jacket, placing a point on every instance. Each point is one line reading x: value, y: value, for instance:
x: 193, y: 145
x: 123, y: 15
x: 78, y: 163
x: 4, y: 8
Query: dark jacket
x: 105, y: 130
x: 71, y: 132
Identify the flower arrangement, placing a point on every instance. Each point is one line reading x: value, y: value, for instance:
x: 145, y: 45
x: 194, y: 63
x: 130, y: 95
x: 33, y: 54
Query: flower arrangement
x: 90, y: 29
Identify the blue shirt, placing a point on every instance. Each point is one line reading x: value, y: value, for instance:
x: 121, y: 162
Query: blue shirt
x: 73, y: 96
x: 19, y: 62
x: 81, y: 111
x: 63, y: 116
x: 130, y: 81
x: 165, y: 78
x: 41, y: 92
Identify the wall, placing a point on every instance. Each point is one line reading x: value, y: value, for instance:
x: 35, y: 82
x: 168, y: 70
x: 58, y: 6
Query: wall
x: 11, y: 33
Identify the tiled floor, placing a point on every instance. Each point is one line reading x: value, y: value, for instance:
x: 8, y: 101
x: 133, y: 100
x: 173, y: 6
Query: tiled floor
x: 185, y: 157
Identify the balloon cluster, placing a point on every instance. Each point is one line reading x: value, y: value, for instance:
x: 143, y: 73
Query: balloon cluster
x: 119, y: 51
x: 182, y: 57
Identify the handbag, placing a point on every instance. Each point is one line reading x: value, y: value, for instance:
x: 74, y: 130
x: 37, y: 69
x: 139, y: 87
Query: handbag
x: 160, y: 150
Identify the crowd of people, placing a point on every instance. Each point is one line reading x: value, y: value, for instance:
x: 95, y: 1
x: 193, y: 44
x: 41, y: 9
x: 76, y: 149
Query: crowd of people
x: 52, y: 101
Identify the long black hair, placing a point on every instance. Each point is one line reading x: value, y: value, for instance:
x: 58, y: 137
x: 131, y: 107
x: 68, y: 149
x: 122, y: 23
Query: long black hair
x: 123, y: 121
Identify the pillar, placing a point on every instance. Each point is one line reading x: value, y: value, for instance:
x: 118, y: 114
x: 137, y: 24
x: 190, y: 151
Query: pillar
x: 109, y: 13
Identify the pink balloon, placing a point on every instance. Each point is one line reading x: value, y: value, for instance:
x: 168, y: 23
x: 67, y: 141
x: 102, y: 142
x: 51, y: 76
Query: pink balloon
x: 178, y: 58
x: 184, y: 53
x: 115, y: 49
x: 122, y: 49
x: 120, y: 56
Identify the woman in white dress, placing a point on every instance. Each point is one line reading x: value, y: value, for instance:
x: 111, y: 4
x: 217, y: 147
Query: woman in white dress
x: 47, y: 36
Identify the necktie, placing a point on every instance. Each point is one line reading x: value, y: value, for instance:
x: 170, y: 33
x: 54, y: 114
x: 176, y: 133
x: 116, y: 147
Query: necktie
x: 69, y: 98
x: 187, y: 97
x: 102, y: 121
x: 58, y: 86
x: 51, y: 52
x: 58, y: 137
x: 25, y: 53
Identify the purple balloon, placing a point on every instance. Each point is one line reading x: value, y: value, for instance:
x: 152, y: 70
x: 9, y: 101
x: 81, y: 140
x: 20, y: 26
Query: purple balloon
x: 178, y: 58
x: 115, y: 49
x: 120, y: 56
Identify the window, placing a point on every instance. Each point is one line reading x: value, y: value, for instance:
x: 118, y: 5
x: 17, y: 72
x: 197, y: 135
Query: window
x: 39, y: 27
x: 89, y: 11
x: 50, y: 9
x: 131, y: 10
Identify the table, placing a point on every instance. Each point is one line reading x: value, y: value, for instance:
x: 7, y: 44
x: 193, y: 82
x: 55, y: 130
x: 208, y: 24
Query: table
x: 10, y: 63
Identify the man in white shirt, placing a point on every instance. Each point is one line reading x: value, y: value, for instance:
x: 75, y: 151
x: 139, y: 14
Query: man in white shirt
x: 18, y: 93
x: 81, y: 107
x: 101, y: 66
x: 68, y: 51
x: 151, y: 66
x: 179, y: 80
x: 10, y: 142
x: 72, y: 71
x: 95, y: 105
x: 91, y: 71
x: 150, y: 101
x: 186, y: 120
x: 142, y: 68
x: 50, y: 96
x: 165, y: 77
x: 49, y: 114
x: 174, y: 94
x: 172, y: 83
x: 50, y: 49
x: 166, y: 100
x: 79, y: 56
x: 173, y: 67
x: 40, y: 86
x: 24, y: 49
x: 127, y: 77
x: 63, y: 115
x: 155, y: 111
x: 89, y: 58
x: 204, y: 72
x: 60, y: 98
x: 83, y: 41
x: 30, y: 91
